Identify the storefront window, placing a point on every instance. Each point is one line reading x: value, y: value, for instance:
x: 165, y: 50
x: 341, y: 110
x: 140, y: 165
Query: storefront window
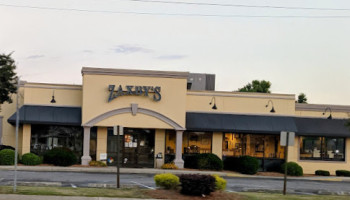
x: 260, y: 146
x: 197, y: 142
x: 46, y: 137
x: 322, y: 148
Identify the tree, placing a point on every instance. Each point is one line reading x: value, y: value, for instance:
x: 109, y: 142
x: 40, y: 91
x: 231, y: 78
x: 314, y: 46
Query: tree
x: 302, y: 98
x: 8, y: 78
x: 257, y: 86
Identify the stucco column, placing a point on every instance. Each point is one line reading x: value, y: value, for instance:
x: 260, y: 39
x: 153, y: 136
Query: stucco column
x: 179, y: 162
x: 217, y: 144
x: 1, y: 129
x: 86, y: 147
x: 26, y: 138
x: 159, y: 147
x: 101, y: 142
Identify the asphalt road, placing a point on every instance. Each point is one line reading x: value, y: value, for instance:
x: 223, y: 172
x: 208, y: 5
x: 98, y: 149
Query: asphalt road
x: 76, y: 179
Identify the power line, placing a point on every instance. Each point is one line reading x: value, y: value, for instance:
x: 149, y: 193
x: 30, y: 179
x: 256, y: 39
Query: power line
x: 240, y: 5
x: 176, y: 14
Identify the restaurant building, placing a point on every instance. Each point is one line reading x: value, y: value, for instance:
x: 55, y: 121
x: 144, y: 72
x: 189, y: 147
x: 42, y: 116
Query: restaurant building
x: 172, y: 114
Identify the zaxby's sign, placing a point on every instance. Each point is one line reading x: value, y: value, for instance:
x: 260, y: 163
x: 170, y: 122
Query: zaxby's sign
x: 130, y: 90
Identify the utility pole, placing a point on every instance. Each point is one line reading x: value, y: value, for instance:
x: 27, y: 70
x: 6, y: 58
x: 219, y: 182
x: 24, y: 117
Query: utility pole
x: 285, y: 165
x: 17, y: 126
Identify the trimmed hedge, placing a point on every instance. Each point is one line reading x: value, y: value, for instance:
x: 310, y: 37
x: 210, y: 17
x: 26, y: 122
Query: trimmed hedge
x: 7, y: 157
x: 209, y: 161
x: 31, y: 159
x: 293, y: 169
x: 243, y: 164
x: 342, y: 173
x: 322, y: 173
x: 2, y: 147
x: 60, y: 157
x: 167, y: 181
x: 169, y: 166
x: 203, y: 161
x: 97, y: 163
x: 195, y: 184
x: 220, y: 183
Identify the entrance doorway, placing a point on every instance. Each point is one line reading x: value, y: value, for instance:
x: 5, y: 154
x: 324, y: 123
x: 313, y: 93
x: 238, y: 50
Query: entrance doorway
x: 137, y: 148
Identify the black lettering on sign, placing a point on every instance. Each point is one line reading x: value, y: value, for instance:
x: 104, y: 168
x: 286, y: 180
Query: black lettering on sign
x: 134, y: 90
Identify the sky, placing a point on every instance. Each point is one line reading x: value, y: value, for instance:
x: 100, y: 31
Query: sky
x: 52, y: 40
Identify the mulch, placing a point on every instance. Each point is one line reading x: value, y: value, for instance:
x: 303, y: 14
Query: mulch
x: 175, y: 194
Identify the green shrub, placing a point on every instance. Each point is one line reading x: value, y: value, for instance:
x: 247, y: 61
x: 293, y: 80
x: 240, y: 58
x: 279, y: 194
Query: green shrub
x: 169, y: 166
x: 248, y: 165
x: 196, y: 184
x: 190, y: 161
x: 220, y: 183
x: 60, y: 157
x: 97, y: 163
x: 293, y: 169
x: 243, y: 164
x: 209, y: 161
x: 322, y: 173
x: 31, y: 159
x: 342, y: 173
x: 7, y: 157
x: 2, y: 147
x: 203, y: 161
x: 167, y: 181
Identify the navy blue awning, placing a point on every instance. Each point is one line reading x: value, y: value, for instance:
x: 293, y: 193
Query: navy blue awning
x: 239, y: 123
x: 29, y: 114
x: 322, y: 127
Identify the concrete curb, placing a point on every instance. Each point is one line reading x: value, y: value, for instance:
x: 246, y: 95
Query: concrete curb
x: 152, y: 171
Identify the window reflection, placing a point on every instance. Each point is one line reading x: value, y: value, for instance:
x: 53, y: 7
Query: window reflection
x: 322, y: 148
x: 260, y: 146
x: 46, y: 137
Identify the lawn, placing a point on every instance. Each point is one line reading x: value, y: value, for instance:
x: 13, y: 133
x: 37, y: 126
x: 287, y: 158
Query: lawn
x: 271, y: 196
x: 65, y: 191
x: 158, y: 194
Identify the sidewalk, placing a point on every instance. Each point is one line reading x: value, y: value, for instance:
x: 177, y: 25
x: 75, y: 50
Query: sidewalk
x: 37, y: 197
x: 158, y: 171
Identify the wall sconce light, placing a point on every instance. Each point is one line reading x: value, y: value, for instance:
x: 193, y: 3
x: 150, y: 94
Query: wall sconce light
x: 53, y: 97
x: 273, y: 108
x: 330, y: 112
x: 213, y: 101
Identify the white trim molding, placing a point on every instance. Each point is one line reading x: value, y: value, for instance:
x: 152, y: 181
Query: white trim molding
x: 321, y: 107
x: 132, y: 110
x: 242, y: 95
x: 128, y: 72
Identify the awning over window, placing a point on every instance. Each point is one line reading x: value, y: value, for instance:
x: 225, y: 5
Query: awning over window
x: 29, y: 114
x: 322, y: 127
x: 239, y: 123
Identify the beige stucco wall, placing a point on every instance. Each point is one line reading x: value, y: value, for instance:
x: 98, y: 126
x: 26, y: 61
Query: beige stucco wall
x: 101, y: 141
x: 26, y: 139
x: 159, y: 146
x: 217, y: 144
x: 41, y: 94
x: 319, y: 114
x: 310, y: 167
x: 172, y: 104
x: 240, y: 102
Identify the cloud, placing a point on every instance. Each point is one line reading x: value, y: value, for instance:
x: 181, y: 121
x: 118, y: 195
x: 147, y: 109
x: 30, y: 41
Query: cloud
x: 172, y: 57
x: 127, y: 49
x: 87, y: 51
x: 35, y: 56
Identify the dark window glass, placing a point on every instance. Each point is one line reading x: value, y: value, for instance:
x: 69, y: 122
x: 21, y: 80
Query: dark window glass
x: 322, y: 148
x: 197, y: 142
x: 46, y: 137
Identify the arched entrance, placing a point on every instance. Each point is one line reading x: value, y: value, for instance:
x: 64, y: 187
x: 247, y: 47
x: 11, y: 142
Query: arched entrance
x: 133, y: 109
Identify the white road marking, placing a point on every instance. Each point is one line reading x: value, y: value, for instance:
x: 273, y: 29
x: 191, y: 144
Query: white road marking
x: 143, y: 185
x: 73, y: 186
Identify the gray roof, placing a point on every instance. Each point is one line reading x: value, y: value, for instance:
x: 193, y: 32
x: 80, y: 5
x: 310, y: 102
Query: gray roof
x: 239, y: 123
x: 322, y: 127
x: 29, y: 114
x: 266, y: 124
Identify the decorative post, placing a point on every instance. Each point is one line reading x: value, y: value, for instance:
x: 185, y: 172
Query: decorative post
x: 179, y: 162
x: 86, y: 158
